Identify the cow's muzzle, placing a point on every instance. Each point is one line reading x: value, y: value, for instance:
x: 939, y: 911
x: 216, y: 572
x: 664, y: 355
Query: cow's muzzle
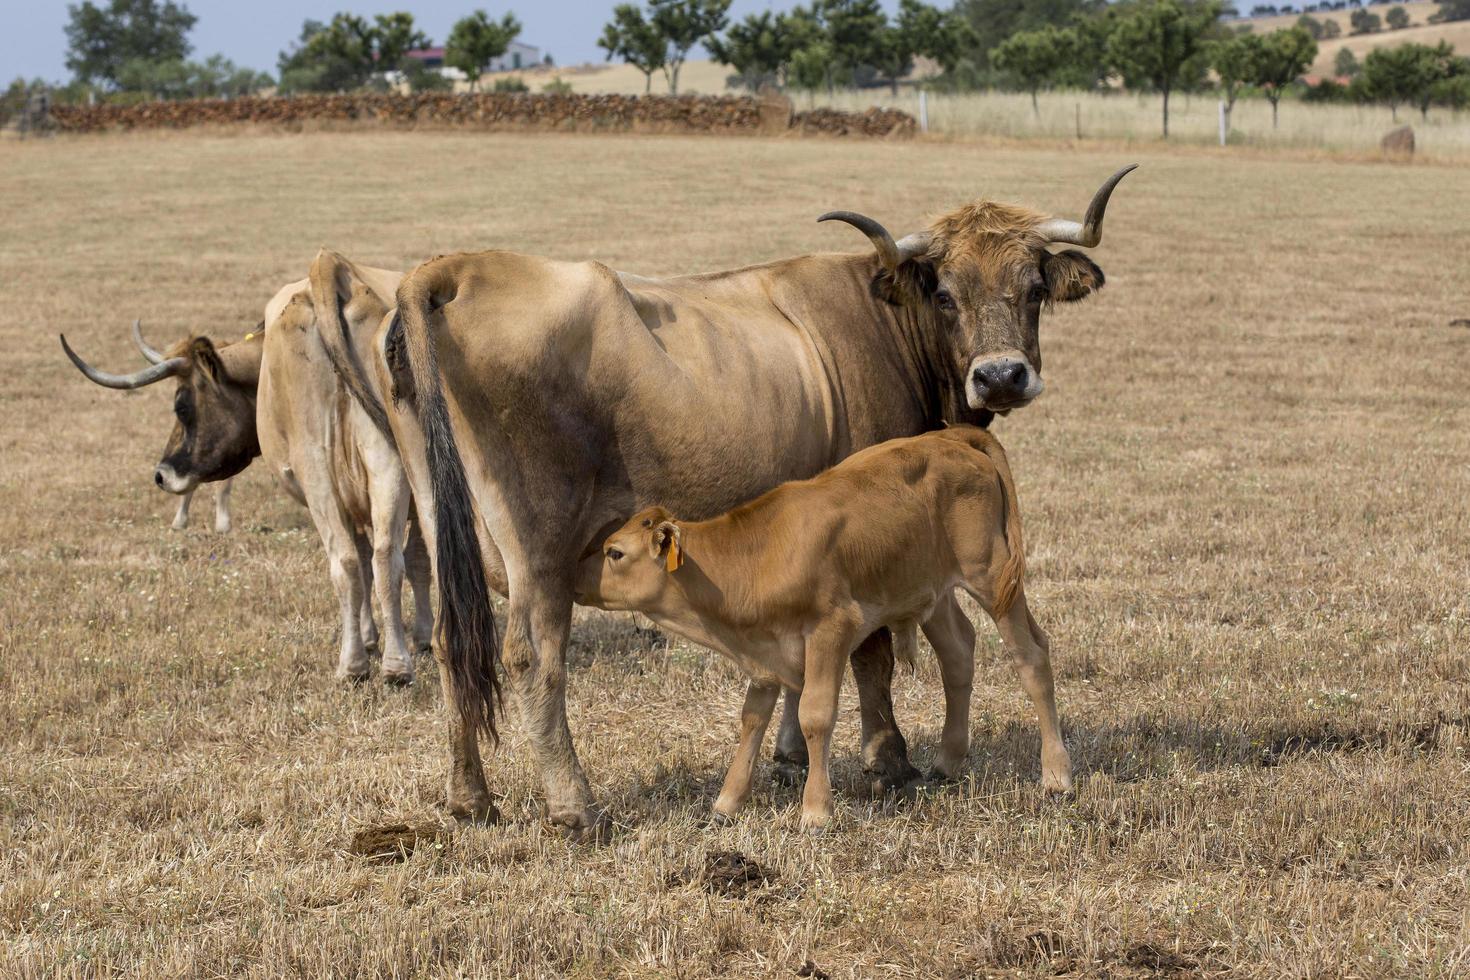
x: 1001, y: 383
x: 166, y: 478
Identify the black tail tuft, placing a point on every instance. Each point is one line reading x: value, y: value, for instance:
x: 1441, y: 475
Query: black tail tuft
x: 466, y: 627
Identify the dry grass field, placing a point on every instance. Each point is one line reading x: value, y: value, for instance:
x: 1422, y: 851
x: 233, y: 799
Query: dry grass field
x: 1245, y: 491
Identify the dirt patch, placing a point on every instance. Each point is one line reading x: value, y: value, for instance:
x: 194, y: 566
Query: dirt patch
x: 394, y: 842
x: 727, y: 873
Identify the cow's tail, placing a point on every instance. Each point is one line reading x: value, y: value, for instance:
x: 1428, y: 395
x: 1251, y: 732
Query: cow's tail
x: 1008, y: 584
x: 335, y: 335
x: 466, y: 626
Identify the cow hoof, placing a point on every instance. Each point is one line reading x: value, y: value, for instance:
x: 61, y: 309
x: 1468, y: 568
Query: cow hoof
x: 480, y: 812
x: 221, y: 527
x: 583, y: 826
x: 937, y: 777
x: 900, y: 781
x: 789, y: 769
x: 423, y: 648
x: 355, y: 677
x: 398, y: 679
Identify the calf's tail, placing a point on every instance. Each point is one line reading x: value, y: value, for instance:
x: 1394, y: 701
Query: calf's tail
x: 466, y: 626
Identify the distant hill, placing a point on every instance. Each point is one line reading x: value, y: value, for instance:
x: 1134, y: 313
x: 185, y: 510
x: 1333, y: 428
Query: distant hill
x: 1422, y: 32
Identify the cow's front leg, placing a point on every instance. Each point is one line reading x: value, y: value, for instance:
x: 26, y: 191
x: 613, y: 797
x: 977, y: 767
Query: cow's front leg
x: 789, y: 755
x: 534, y: 655
x: 222, y: 522
x: 181, y: 516
x: 885, y: 753
x: 760, y: 700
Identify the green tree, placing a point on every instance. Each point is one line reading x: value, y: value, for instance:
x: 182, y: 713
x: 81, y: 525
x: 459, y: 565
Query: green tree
x: 1033, y: 58
x: 1452, y: 93
x: 942, y: 35
x: 757, y: 48
x: 1235, y: 61
x: 476, y: 40
x: 1397, y: 18
x: 1283, y: 56
x: 1161, y: 42
x: 855, y: 32
x: 1365, y: 21
x: 812, y: 65
x: 1451, y: 10
x: 631, y: 37
x: 1394, y: 76
x: 102, y: 39
x: 334, y: 57
x: 215, y: 77
x: 1331, y: 29
x: 1311, y: 25
x: 391, y: 37
x: 683, y: 24
x: 992, y: 21
x: 1345, y: 64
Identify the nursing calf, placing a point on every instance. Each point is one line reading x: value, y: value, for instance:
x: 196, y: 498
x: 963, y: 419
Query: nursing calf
x: 789, y: 584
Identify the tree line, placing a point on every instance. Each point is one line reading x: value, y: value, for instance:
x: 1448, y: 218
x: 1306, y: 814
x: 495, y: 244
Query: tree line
x: 140, y: 48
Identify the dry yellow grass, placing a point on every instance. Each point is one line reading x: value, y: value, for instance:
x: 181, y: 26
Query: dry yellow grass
x: 1245, y: 500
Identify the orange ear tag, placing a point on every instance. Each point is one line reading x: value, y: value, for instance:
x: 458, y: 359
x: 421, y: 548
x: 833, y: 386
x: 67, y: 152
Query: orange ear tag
x: 676, y: 556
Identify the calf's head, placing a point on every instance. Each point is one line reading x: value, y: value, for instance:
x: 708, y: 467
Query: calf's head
x: 214, y: 436
x: 631, y: 570
x: 983, y: 274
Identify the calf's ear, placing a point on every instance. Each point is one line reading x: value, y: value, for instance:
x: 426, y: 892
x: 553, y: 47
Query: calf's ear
x: 664, y: 543
x: 1069, y: 276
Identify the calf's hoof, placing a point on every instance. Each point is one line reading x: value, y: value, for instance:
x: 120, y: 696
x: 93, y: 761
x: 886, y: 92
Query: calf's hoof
x: 222, y: 527
x: 354, y: 675
x: 900, y: 781
x: 719, y: 820
x: 816, y: 824
x: 1058, y: 784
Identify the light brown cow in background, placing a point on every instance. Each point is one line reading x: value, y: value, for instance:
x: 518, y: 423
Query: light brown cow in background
x: 789, y: 584
x: 275, y: 395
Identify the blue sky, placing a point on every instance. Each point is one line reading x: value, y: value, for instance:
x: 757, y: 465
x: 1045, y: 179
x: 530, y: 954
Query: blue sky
x: 253, y: 32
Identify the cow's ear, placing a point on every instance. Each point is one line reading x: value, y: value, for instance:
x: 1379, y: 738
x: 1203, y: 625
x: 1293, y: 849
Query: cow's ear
x: 664, y: 543
x: 1069, y: 276
x: 203, y: 354
x: 909, y: 285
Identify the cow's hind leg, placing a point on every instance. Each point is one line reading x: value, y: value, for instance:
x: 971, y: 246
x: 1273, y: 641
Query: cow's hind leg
x: 885, y: 753
x: 1030, y: 651
x: 534, y: 655
x: 953, y: 638
x: 760, y: 700
x: 416, y: 563
x: 346, y: 569
x: 390, y: 514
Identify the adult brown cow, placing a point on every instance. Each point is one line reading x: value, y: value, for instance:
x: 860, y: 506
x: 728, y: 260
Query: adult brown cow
x: 542, y: 403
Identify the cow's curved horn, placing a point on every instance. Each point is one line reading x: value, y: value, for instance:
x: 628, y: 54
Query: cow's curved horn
x: 1089, y: 233
x: 154, y: 357
x: 150, y: 374
x: 877, y: 234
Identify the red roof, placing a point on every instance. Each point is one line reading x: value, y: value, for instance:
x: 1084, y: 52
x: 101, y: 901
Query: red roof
x: 425, y: 54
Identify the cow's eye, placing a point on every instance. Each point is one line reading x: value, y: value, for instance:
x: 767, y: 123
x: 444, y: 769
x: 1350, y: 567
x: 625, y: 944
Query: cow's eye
x: 614, y: 554
x: 944, y: 300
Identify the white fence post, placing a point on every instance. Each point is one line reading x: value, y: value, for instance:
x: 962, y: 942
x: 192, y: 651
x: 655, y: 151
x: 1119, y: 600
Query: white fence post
x: 923, y: 111
x: 1223, y: 132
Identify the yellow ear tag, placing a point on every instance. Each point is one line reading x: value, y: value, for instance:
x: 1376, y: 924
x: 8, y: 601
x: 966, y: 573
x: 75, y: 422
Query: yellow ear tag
x: 676, y: 556
x: 249, y: 336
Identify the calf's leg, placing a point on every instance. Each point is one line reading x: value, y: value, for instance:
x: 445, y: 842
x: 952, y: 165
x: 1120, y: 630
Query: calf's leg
x: 1030, y: 652
x: 760, y: 700
x: 953, y: 638
x: 827, y: 650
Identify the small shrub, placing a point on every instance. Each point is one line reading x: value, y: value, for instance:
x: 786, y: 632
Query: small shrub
x: 512, y: 84
x: 557, y: 86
